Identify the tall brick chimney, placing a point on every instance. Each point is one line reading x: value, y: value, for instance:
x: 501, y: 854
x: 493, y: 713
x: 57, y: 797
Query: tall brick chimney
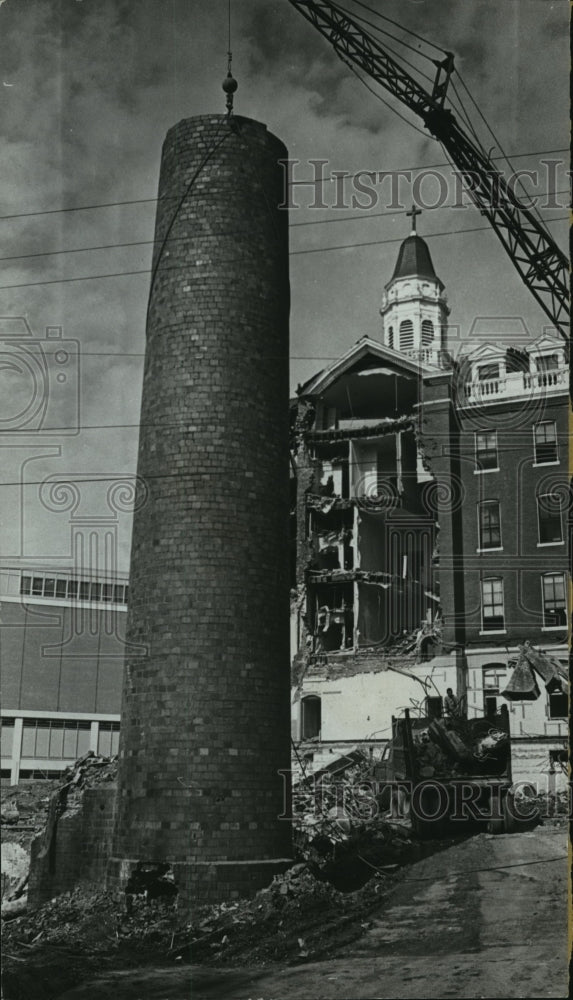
x: 205, y: 715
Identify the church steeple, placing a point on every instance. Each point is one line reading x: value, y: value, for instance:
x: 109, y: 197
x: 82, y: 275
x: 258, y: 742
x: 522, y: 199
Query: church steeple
x: 414, y: 306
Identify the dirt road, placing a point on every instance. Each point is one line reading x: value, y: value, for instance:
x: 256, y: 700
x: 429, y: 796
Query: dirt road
x: 448, y: 930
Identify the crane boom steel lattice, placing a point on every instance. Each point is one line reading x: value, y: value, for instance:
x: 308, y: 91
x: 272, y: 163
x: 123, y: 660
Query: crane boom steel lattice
x: 542, y: 265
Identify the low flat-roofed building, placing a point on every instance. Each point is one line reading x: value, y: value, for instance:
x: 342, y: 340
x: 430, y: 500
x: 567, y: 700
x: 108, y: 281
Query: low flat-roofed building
x: 61, y: 667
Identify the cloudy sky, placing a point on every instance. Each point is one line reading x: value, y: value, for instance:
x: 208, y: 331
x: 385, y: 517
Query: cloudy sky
x: 89, y: 89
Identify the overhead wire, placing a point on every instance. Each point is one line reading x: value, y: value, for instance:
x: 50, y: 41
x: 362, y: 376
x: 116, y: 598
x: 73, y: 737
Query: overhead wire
x: 427, y: 135
x: 292, y: 253
x: 384, y: 17
x: 387, y: 34
x: 495, y: 138
x: 322, y: 180
x: 363, y: 217
x: 398, y: 55
x: 461, y: 107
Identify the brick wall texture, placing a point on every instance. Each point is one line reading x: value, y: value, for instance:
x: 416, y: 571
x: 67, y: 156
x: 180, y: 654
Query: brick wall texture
x: 205, y: 713
x: 78, y: 850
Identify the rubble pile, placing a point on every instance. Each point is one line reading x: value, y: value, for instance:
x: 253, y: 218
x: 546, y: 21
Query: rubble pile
x: 291, y: 920
x: 87, y: 772
x: 24, y: 809
x: 342, y: 829
x: 28, y: 810
x: 554, y: 807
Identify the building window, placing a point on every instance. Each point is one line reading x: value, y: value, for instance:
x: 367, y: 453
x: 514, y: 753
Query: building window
x: 6, y: 737
x: 493, y: 676
x: 486, y: 372
x: 493, y: 616
x: 559, y: 757
x: 108, y: 739
x: 63, y: 588
x: 55, y: 739
x: 558, y: 705
x: 545, y: 442
x: 554, y: 603
x: 390, y: 336
x: 311, y: 720
x: 406, y: 335
x: 434, y: 707
x: 486, y: 450
x: 550, y: 527
x: 427, y: 332
x: 547, y: 363
x: 489, y: 525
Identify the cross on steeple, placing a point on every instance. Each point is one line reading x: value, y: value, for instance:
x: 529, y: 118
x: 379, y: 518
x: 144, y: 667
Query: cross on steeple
x: 412, y: 214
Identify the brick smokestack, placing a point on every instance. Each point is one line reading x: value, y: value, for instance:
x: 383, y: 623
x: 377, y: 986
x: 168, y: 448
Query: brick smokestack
x: 205, y: 716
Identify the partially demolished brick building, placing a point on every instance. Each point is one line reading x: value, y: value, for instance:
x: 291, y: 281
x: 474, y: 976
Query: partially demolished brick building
x: 430, y: 516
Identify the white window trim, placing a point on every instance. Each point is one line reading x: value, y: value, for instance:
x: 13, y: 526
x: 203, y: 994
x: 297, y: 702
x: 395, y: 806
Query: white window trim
x: 545, y: 545
x: 543, y: 465
x: 539, y: 543
x: 497, y: 548
x: 482, y: 471
x: 554, y: 628
x: 492, y: 631
x: 555, y: 461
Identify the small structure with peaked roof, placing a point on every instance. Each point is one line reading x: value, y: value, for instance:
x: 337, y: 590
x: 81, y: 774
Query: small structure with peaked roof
x: 414, y: 306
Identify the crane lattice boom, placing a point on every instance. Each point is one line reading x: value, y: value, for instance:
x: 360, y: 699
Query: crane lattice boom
x: 541, y: 264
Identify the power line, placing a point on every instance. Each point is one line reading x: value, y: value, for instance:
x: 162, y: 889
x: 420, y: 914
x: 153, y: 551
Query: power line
x: 311, y: 222
x: 493, y: 135
x: 324, y: 180
x: 398, y: 55
x: 292, y: 253
x: 396, y: 24
x: 386, y: 103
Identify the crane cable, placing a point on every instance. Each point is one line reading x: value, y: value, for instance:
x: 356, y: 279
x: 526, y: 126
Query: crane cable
x: 459, y: 106
x: 396, y: 24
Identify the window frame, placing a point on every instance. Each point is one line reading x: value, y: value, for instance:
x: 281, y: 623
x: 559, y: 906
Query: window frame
x: 539, y: 506
x: 481, y: 546
x: 497, y: 628
x: 552, y: 626
x: 406, y: 324
x: 305, y: 703
x: 548, y: 461
x: 552, y: 696
x: 499, y: 672
x: 427, y: 328
x: 493, y: 468
x: 484, y: 366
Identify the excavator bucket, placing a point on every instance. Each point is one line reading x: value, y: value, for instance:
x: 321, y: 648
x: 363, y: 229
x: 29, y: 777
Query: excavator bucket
x: 522, y: 685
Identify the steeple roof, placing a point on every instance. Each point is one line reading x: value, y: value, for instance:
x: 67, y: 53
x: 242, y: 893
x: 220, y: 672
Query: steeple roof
x: 414, y: 259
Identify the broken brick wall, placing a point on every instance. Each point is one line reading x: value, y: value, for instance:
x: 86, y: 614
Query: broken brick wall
x: 77, y: 849
x: 438, y: 436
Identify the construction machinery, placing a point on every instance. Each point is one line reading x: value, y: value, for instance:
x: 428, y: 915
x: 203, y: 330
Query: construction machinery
x: 533, y: 251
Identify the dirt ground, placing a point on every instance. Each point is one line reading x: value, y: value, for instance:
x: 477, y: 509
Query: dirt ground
x: 486, y: 917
